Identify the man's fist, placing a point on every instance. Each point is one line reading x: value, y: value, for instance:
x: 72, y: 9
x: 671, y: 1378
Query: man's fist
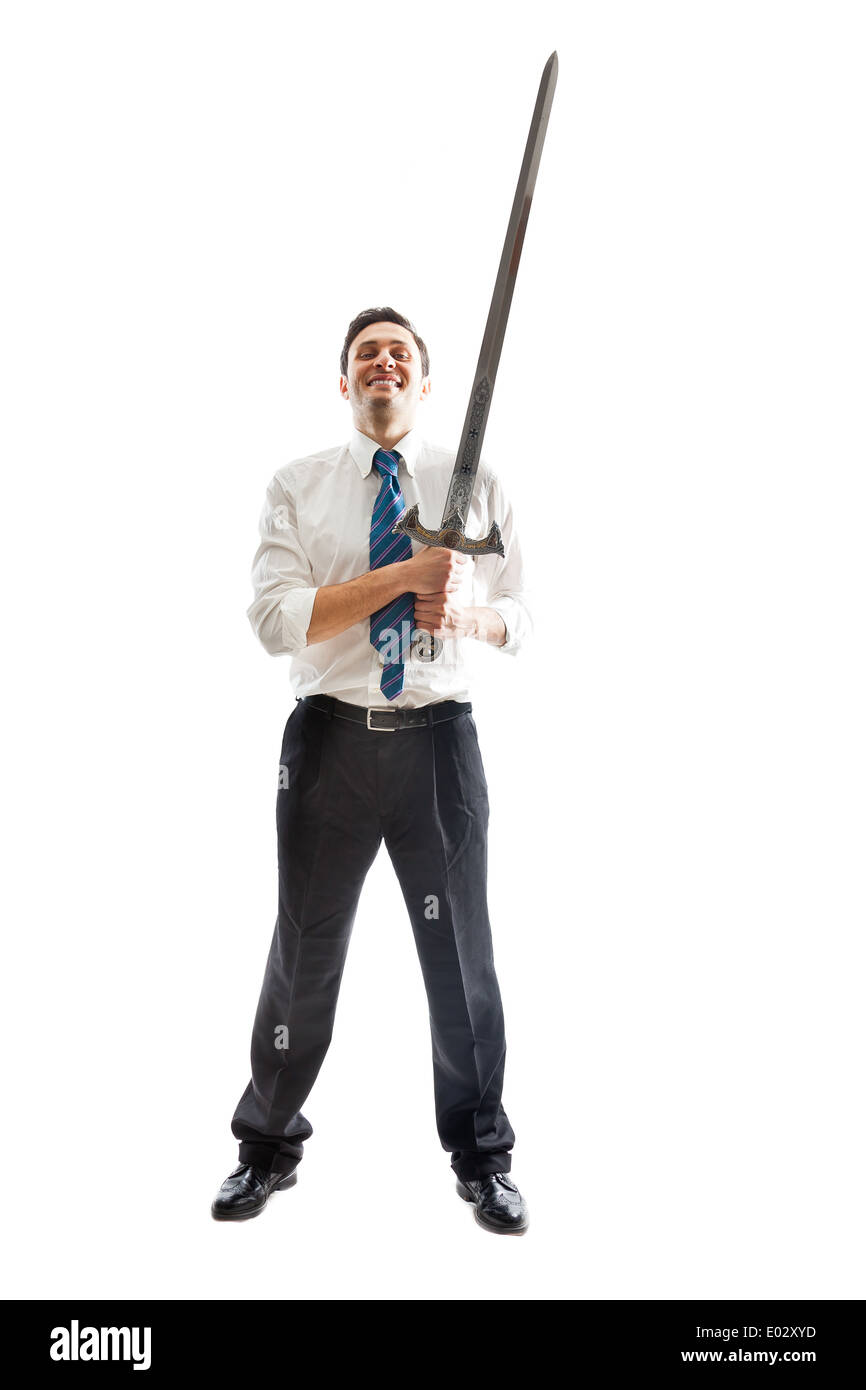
x: 443, y: 616
x: 435, y: 570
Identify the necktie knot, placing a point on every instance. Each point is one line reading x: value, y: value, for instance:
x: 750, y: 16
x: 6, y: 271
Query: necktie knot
x: 386, y: 461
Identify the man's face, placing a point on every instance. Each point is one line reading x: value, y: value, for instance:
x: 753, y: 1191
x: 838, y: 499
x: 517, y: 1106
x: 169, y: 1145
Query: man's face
x: 384, y: 381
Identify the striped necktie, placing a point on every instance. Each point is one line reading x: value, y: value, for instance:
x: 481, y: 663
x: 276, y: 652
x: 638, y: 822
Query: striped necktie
x: 388, y: 630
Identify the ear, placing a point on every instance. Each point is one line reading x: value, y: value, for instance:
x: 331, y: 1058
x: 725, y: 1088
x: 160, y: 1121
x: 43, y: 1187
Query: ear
x: 344, y: 388
x: 426, y: 387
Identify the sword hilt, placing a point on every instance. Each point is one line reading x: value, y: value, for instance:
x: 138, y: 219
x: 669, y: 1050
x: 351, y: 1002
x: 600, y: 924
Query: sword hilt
x: 451, y: 535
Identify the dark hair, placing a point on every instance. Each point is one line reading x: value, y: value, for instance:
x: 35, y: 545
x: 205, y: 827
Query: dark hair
x: 384, y: 315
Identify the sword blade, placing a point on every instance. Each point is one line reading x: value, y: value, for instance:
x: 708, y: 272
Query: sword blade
x: 475, y: 424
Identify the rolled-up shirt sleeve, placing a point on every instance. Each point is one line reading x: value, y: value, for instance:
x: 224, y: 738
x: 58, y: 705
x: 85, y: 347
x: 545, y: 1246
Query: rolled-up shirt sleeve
x: 282, y: 578
x: 502, y: 580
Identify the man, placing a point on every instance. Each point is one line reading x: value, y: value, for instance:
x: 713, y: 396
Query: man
x: 381, y: 744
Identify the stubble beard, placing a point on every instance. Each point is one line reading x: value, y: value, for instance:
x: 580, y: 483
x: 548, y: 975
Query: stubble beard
x: 381, y: 411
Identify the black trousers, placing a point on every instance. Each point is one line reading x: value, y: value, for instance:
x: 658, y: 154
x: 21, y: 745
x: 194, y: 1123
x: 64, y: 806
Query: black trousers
x: 422, y: 790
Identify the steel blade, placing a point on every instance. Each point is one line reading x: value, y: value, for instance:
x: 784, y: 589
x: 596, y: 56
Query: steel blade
x: 475, y: 424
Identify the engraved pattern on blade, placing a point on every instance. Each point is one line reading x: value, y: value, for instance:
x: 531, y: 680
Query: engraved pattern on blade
x: 463, y: 480
x: 459, y: 497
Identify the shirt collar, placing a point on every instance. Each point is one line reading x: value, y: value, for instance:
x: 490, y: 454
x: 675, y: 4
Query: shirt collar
x: 362, y: 448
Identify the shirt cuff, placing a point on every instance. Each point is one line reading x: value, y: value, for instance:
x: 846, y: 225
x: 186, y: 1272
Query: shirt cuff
x: 296, y: 610
x: 508, y: 612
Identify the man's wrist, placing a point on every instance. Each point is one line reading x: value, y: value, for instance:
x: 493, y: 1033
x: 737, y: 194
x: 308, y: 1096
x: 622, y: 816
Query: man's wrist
x: 402, y: 569
x: 397, y: 578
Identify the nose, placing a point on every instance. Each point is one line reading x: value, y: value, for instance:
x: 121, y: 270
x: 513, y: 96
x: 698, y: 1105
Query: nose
x: 385, y: 362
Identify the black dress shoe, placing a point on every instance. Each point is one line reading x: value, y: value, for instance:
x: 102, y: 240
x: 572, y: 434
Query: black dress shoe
x: 246, y: 1190
x: 498, y: 1204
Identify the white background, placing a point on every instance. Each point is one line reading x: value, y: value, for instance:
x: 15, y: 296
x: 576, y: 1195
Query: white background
x: 198, y: 199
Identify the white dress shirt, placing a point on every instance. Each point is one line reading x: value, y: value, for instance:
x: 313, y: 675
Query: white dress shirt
x: 315, y: 530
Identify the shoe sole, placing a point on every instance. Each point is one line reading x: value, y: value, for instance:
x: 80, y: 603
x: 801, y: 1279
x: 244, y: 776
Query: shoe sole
x: 288, y: 1181
x: 487, y: 1225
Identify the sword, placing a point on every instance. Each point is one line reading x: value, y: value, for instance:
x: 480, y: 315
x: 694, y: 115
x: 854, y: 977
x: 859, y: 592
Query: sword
x: 452, y: 530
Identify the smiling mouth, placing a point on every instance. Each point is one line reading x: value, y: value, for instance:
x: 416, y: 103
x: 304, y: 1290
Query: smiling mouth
x: 384, y: 381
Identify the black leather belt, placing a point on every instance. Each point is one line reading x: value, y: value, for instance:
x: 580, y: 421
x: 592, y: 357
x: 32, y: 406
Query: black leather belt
x: 388, y: 720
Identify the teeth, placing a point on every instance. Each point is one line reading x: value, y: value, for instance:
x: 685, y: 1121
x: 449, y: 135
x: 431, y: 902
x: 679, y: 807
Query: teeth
x: 385, y: 381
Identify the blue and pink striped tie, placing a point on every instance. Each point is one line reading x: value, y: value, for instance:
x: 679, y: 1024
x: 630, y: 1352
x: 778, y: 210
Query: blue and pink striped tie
x: 391, y: 627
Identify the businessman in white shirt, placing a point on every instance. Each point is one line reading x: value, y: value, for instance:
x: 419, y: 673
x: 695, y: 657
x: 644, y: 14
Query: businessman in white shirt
x: 381, y: 745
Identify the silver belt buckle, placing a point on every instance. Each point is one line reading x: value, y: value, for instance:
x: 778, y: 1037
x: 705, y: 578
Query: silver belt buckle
x: 380, y: 728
